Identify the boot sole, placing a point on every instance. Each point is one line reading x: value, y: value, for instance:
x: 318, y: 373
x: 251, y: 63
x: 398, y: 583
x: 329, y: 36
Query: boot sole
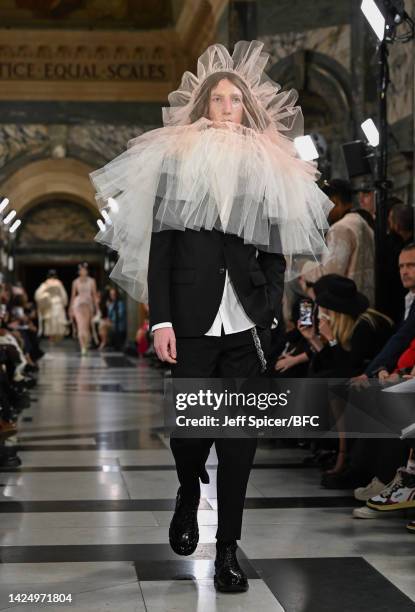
x: 234, y: 588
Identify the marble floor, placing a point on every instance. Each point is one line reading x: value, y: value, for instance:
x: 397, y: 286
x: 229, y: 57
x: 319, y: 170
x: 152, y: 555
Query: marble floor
x: 87, y: 513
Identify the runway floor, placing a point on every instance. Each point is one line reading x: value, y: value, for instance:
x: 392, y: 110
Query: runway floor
x: 87, y: 513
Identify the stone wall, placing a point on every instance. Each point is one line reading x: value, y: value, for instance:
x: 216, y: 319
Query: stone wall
x: 338, y: 35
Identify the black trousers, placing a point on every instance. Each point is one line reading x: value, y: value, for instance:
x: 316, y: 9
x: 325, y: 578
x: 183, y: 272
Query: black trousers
x: 227, y: 356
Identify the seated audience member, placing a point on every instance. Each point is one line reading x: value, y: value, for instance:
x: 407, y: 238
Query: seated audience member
x: 385, y: 361
x: 401, y: 227
x: 142, y: 335
x: 118, y: 316
x: 379, y: 458
x: 349, y: 334
x: 375, y: 458
x: 19, y: 351
x: 399, y: 494
x: 294, y: 359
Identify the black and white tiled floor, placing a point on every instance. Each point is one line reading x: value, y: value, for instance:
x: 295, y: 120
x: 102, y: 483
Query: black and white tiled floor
x: 88, y: 513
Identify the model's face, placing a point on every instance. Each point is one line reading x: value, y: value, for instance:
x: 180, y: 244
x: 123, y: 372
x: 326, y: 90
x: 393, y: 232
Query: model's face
x: 407, y: 269
x: 83, y: 272
x: 226, y: 102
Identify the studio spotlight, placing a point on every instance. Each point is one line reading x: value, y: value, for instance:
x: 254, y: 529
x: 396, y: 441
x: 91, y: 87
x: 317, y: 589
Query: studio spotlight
x: 9, y: 217
x: 306, y: 148
x: 15, y: 225
x: 113, y: 204
x: 358, y: 157
x: 3, y: 204
x: 101, y: 225
x: 375, y: 17
x: 384, y: 17
x: 371, y: 132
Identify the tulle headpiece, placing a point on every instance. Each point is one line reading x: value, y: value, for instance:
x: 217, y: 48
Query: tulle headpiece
x: 198, y: 172
x: 247, y: 61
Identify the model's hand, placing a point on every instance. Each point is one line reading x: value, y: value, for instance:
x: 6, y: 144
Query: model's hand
x: 165, y: 344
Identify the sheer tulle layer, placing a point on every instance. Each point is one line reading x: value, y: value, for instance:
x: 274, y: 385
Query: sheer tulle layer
x: 247, y: 61
x: 205, y: 176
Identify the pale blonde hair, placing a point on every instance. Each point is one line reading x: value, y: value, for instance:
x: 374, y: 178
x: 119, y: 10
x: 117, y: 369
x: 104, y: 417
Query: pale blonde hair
x: 343, y: 325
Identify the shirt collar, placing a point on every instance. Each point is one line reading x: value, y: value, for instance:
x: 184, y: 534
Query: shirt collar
x: 409, y: 298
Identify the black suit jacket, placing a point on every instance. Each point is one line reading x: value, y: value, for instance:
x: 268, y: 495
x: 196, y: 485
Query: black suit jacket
x: 393, y: 349
x: 186, y: 279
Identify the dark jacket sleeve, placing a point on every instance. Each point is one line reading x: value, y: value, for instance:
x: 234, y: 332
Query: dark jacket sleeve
x: 393, y: 349
x: 333, y: 359
x: 361, y: 349
x: 342, y: 362
x: 159, y: 267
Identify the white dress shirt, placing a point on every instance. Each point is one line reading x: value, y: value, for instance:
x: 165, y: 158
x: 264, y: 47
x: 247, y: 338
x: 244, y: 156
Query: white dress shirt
x: 409, y: 298
x: 230, y: 314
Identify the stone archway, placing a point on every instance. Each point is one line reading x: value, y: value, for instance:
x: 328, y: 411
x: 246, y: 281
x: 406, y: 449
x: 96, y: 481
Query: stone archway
x: 65, y: 180
x: 47, y: 179
x: 56, y: 233
x: 325, y: 96
x: 55, y: 200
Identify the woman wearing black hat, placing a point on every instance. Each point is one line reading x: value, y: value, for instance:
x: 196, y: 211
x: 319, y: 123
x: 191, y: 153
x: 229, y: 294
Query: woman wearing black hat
x: 349, y: 332
x: 349, y: 335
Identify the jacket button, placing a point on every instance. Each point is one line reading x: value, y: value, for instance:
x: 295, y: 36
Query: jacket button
x: 222, y: 270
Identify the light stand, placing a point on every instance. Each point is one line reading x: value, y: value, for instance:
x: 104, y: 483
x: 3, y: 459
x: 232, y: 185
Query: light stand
x: 384, y: 17
x: 382, y: 184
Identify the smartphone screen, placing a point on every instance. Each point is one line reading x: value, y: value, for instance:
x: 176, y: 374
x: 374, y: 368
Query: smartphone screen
x: 306, y: 313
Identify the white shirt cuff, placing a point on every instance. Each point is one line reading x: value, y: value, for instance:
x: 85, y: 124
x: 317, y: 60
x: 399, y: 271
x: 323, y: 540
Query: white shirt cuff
x: 160, y: 325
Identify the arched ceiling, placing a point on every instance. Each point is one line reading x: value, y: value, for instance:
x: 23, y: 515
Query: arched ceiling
x: 136, y: 14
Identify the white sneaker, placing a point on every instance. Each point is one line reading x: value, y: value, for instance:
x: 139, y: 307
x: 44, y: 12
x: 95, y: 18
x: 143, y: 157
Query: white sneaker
x: 373, y: 488
x: 365, y: 513
x: 398, y: 495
